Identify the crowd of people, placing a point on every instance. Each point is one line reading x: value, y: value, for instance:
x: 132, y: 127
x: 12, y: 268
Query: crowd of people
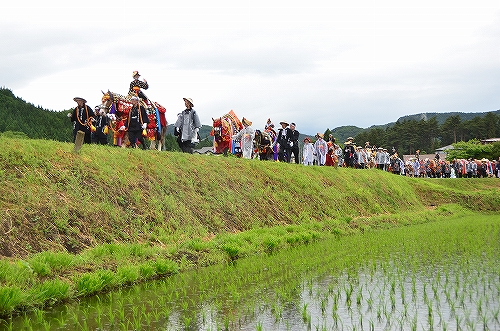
x: 321, y: 152
x: 458, y: 168
x: 269, y: 144
x: 134, y: 123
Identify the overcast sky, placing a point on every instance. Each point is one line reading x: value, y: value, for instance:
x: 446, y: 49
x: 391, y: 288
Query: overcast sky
x: 320, y: 64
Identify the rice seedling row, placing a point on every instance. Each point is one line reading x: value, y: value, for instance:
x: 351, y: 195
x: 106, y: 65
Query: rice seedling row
x: 442, y: 275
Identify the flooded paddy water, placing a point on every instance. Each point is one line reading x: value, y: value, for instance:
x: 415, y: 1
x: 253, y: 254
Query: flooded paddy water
x: 437, y: 276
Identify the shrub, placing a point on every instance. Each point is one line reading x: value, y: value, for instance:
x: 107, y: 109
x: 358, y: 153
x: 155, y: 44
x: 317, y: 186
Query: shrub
x: 127, y: 274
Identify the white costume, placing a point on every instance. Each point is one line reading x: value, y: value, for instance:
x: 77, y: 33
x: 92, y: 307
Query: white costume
x: 320, y: 148
x: 308, y: 154
x: 246, y: 137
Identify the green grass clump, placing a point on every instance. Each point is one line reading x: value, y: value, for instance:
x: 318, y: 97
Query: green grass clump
x: 10, y: 298
x: 94, y: 282
x: 50, y: 292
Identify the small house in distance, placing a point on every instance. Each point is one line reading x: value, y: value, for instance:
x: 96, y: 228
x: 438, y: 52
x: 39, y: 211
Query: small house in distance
x: 490, y: 141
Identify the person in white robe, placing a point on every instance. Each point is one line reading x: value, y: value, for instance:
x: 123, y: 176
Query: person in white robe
x: 307, y: 152
x: 320, y: 149
x: 246, y: 136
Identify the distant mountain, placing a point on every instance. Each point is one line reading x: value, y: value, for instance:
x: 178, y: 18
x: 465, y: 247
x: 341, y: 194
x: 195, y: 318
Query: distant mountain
x: 343, y: 132
x: 441, y: 117
x: 19, y: 116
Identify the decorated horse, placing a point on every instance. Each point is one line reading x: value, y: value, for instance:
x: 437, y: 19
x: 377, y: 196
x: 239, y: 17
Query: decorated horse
x: 223, y: 130
x: 264, y: 143
x: 118, y: 107
x: 431, y: 168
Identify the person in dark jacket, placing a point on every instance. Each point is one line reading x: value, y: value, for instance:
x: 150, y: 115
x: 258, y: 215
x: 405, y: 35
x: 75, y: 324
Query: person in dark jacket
x: 349, y: 153
x: 294, y: 143
x: 136, y: 123
x: 82, y: 117
x: 283, y: 140
x: 101, y: 122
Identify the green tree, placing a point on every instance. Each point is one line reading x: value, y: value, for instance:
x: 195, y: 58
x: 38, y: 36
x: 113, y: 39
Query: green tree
x: 451, y: 130
x: 376, y: 137
x: 470, y: 149
x: 495, y: 151
x: 431, y: 131
x: 490, y: 124
x: 327, y: 133
x: 171, y: 143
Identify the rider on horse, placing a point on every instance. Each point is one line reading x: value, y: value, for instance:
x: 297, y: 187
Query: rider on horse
x: 136, y: 85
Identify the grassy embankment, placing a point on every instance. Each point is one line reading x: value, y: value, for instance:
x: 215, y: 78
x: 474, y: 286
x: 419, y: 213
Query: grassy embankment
x: 77, y: 224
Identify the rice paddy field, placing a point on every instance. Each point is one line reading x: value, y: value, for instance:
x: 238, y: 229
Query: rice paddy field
x: 439, y: 275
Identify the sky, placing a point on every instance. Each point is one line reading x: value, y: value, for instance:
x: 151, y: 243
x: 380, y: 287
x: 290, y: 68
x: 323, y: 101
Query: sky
x: 320, y: 64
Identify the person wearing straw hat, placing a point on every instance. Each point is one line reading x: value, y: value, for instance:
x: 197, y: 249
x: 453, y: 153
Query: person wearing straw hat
x: 82, y: 117
x: 187, y: 126
x: 320, y: 149
x: 136, y: 85
x: 349, y: 153
x: 137, y: 122
x: 246, y: 136
x: 380, y: 158
x: 283, y: 142
x: 269, y: 128
x: 361, y: 157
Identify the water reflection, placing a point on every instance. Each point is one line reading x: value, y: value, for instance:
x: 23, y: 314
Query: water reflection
x: 378, y: 295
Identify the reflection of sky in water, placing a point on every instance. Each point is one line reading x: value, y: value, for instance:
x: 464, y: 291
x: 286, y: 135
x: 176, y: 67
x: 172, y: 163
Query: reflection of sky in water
x: 448, y: 299
x: 383, y: 296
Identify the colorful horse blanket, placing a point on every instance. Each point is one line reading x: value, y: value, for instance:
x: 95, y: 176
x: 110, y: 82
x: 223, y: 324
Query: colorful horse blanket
x: 223, y: 130
x: 118, y: 107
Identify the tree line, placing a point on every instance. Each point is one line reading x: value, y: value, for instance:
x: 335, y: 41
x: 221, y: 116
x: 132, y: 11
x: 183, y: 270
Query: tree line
x: 407, y: 136
x: 16, y: 115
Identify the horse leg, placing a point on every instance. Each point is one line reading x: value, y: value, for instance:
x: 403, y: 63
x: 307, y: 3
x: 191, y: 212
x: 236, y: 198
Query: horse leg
x: 125, y: 141
x: 158, y: 142
x: 161, y: 137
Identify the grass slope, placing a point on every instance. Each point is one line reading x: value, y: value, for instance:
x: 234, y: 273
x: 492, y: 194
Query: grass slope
x: 54, y: 199
x: 76, y: 224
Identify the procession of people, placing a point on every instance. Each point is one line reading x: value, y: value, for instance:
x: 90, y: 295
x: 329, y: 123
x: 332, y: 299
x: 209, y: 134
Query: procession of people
x: 94, y: 125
